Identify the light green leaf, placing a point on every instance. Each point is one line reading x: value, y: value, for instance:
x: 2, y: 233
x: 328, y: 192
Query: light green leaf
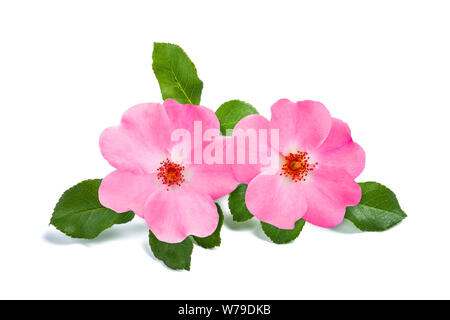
x: 174, y: 255
x: 79, y: 213
x: 231, y: 112
x: 378, y: 210
x: 236, y: 203
x: 176, y: 74
x: 212, y: 240
x: 281, y: 236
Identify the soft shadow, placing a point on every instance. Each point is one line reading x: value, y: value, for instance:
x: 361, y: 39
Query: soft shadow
x: 238, y: 226
x: 259, y: 233
x: 252, y: 225
x: 149, y: 252
x: 346, y: 227
x: 56, y: 237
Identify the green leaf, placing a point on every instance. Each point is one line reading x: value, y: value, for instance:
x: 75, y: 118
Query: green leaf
x: 174, y: 255
x: 79, y: 213
x: 378, y: 210
x: 231, y: 112
x: 212, y: 240
x: 176, y: 74
x: 236, y: 203
x: 281, y: 236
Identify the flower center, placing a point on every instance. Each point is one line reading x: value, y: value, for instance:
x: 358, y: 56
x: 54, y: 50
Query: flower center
x: 297, y: 166
x: 171, y: 173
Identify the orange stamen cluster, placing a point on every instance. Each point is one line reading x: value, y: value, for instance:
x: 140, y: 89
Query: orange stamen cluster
x: 297, y: 166
x: 171, y: 173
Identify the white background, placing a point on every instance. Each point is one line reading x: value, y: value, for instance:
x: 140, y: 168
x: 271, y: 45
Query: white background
x: 68, y: 69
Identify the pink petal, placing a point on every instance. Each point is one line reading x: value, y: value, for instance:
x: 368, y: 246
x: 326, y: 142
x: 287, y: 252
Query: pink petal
x: 246, y: 172
x: 328, y: 193
x: 140, y: 142
x: 338, y: 136
x: 350, y: 157
x: 174, y: 214
x: 303, y: 125
x: 276, y: 200
x: 196, y: 120
x: 123, y: 191
x: 339, y: 150
x: 215, y: 179
x: 184, y: 115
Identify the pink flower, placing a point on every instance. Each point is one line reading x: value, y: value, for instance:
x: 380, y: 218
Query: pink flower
x: 317, y: 164
x: 173, y: 195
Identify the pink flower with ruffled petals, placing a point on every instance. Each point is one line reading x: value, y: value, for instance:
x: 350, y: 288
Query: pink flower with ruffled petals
x: 172, y: 193
x: 317, y: 164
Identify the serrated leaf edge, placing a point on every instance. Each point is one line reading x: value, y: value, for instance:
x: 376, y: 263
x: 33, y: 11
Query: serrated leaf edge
x: 178, y: 83
x: 52, y: 219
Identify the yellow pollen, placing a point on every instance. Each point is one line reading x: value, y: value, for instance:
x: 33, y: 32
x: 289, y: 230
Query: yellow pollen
x: 295, y: 165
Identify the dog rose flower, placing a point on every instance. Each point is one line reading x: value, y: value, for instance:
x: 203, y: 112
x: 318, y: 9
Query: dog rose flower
x: 173, y: 193
x: 317, y: 162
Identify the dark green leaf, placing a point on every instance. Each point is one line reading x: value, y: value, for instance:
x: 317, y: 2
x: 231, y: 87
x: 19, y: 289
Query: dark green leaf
x: 175, y: 255
x: 79, y: 213
x: 176, y: 74
x: 236, y: 203
x: 212, y: 240
x: 378, y: 210
x: 281, y: 236
x: 231, y: 112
